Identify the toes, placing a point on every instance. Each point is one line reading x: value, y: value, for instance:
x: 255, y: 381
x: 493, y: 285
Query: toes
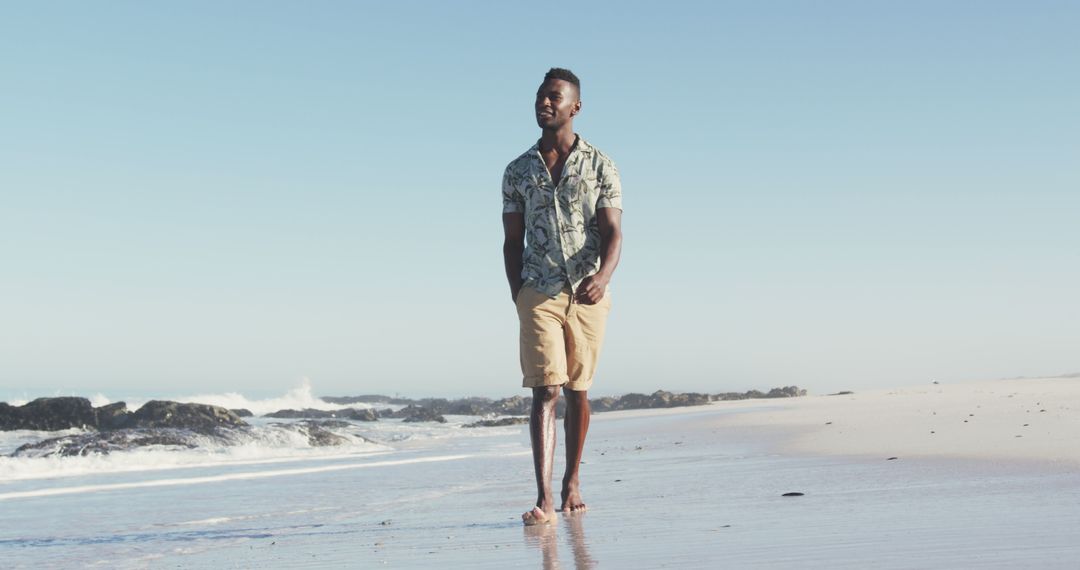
x: 533, y: 517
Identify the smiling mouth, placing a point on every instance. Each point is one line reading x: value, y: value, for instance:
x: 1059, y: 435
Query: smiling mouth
x: 544, y: 115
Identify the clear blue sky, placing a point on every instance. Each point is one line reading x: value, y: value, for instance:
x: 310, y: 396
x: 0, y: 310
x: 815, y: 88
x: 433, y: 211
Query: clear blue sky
x: 208, y: 196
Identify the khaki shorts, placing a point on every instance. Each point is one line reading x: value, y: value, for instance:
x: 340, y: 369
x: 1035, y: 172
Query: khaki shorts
x: 560, y: 340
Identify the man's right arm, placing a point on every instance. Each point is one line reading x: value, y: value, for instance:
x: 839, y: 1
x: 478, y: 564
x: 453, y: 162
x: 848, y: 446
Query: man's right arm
x: 513, y: 250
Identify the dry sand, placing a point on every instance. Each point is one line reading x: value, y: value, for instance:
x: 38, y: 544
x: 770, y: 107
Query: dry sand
x: 1028, y: 419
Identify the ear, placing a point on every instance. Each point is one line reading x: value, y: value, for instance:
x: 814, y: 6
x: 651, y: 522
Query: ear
x: 576, y: 109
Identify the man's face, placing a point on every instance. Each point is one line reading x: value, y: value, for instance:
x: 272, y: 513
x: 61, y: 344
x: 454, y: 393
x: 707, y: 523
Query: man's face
x: 556, y: 103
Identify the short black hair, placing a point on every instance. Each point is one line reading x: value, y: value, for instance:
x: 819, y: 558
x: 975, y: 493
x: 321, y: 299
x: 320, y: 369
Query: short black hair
x: 565, y: 75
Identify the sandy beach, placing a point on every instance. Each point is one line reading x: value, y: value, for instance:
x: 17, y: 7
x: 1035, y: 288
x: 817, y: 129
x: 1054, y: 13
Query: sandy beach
x: 699, y: 487
x: 1028, y: 419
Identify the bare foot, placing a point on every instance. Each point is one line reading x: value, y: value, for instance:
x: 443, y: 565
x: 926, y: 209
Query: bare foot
x: 537, y: 516
x: 571, y: 498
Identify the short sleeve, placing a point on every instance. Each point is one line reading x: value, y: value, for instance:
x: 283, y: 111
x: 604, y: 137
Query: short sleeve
x: 610, y: 187
x: 513, y: 201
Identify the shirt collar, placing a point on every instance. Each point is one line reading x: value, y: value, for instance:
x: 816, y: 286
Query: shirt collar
x: 580, y: 145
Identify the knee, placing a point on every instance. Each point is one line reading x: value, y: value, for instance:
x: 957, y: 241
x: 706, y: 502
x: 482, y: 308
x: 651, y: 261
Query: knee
x: 576, y: 395
x: 546, y: 394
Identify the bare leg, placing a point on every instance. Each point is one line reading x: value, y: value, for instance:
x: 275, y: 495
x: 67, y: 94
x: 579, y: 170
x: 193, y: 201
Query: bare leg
x: 542, y: 434
x: 576, y: 424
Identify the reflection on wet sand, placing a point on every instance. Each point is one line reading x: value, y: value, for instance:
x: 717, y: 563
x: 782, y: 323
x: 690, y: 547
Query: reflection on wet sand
x: 545, y: 538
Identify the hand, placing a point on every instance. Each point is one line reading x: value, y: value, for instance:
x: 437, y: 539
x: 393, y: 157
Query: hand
x: 591, y: 290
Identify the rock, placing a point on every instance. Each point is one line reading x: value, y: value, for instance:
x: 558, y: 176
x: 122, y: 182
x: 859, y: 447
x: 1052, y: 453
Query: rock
x: 512, y: 421
x: 112, y: 416
x: 785, y: 392
x: 513, y: 406
x: 360, y: 415
x: 605, y: 404
x: 316, y: 432
x: 793, y: 494
x: 242, y: 412
x: 49, y: 414
x: 464, y: 407
x: 199, y: 418
x: 413, y: 413
x: 521, y: 405
x: 306, y: 413
x: 105, y: 442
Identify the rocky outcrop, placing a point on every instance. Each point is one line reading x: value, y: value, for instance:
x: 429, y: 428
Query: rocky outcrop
x: 785, y: 392
x: 412, y: 413
x: 355, y: 414
x: 105, y: 442
x: 53, y: 414
x: 112, y: 416
x: 520, y: 405
x: 317, y: 433
x: 113, y: 427
x: 242, y: 412
x: 199, y: 418
x: 49, y: 414
x: 658, y: 399
x: 511, y: 421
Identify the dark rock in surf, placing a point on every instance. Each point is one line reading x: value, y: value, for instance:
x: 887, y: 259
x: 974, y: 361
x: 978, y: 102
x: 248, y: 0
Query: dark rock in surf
x: 49, y: 414
x: 242, y: 412
x: 513, y: 421
x: 112, y: 416
x: 420, y: 414
x: 199, y: 418
x: 355, y: 414
x: 317, y: 433
x: 106, y: 442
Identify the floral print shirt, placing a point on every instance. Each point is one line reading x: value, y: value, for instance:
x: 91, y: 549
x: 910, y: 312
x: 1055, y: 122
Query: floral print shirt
x: 561, y: 232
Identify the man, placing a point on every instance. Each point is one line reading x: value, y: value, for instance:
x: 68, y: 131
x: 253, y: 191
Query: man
x: 562, y: 197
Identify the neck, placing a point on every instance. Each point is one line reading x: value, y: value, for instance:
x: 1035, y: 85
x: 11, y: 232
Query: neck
x: 561, y: 140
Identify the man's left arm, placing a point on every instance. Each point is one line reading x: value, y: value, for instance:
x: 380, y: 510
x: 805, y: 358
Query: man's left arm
x: 609, y: 222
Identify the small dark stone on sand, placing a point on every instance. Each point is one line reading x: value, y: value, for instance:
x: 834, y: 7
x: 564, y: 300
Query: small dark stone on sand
x: 828, y: 423
x: 1026, y: 425
x: 618, y: 480
x: 892, y: 458
x: 793, y: 494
